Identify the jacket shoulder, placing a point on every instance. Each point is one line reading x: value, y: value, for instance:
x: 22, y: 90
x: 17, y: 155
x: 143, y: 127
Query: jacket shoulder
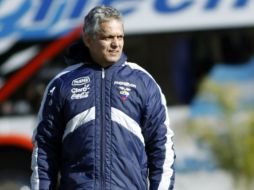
x: 60, y: 79
x: 137, y: 68
x: 142, y: 73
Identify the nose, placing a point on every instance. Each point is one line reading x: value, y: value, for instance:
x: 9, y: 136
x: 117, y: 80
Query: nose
x: 115, y: 42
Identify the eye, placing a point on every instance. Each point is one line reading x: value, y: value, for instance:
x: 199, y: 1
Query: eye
x: 102, y: 37
x: 120, y: 37
x: 111, y: 37
x: 108, y: 38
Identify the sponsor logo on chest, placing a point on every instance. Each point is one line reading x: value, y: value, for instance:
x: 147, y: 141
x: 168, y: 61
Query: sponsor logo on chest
x: 80, y: 88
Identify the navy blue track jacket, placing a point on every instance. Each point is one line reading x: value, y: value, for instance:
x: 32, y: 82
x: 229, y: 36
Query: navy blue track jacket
x: 102, y: 129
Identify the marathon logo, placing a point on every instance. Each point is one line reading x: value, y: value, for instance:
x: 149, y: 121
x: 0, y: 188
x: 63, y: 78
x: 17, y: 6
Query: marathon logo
x: 126, y: 84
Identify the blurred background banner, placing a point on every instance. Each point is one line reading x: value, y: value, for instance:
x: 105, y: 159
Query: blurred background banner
x: 201, y: 52
x: 37, y: 19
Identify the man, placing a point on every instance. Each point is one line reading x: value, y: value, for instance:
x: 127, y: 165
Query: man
x: 103, y: 122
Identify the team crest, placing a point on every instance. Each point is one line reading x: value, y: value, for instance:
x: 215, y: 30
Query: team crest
x: 124, y: 88
x: 124, y: 92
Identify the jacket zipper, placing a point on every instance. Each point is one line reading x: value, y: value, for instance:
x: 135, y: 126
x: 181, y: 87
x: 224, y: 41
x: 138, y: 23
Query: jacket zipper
x: 102, y: 128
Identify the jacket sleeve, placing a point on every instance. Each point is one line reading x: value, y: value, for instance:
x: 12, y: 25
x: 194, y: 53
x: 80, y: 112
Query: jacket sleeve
x: 47, y: 140
x: 158, y: 139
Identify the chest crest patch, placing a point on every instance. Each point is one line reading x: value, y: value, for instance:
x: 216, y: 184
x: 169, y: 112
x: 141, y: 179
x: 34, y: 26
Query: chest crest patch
x: 124, y: 89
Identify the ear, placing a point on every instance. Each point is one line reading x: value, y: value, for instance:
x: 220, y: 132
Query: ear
x: 86, y: 39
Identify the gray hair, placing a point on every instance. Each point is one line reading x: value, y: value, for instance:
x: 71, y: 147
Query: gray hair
x: 98, y: 15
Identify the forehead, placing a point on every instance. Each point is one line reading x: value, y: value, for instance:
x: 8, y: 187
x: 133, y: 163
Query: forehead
x: 111, y: 27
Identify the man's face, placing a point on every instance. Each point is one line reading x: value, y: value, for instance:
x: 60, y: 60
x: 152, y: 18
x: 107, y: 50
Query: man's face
x: 107, y: 47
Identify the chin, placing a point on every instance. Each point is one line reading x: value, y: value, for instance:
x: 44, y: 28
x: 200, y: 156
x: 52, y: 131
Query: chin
x: 113, y: 59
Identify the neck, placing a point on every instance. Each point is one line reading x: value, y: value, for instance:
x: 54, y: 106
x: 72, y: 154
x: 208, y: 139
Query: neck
x: 103, y: 64
x: 107, y: 64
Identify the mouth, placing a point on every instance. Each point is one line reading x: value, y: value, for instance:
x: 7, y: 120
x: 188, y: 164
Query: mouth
x: 113, y: 52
